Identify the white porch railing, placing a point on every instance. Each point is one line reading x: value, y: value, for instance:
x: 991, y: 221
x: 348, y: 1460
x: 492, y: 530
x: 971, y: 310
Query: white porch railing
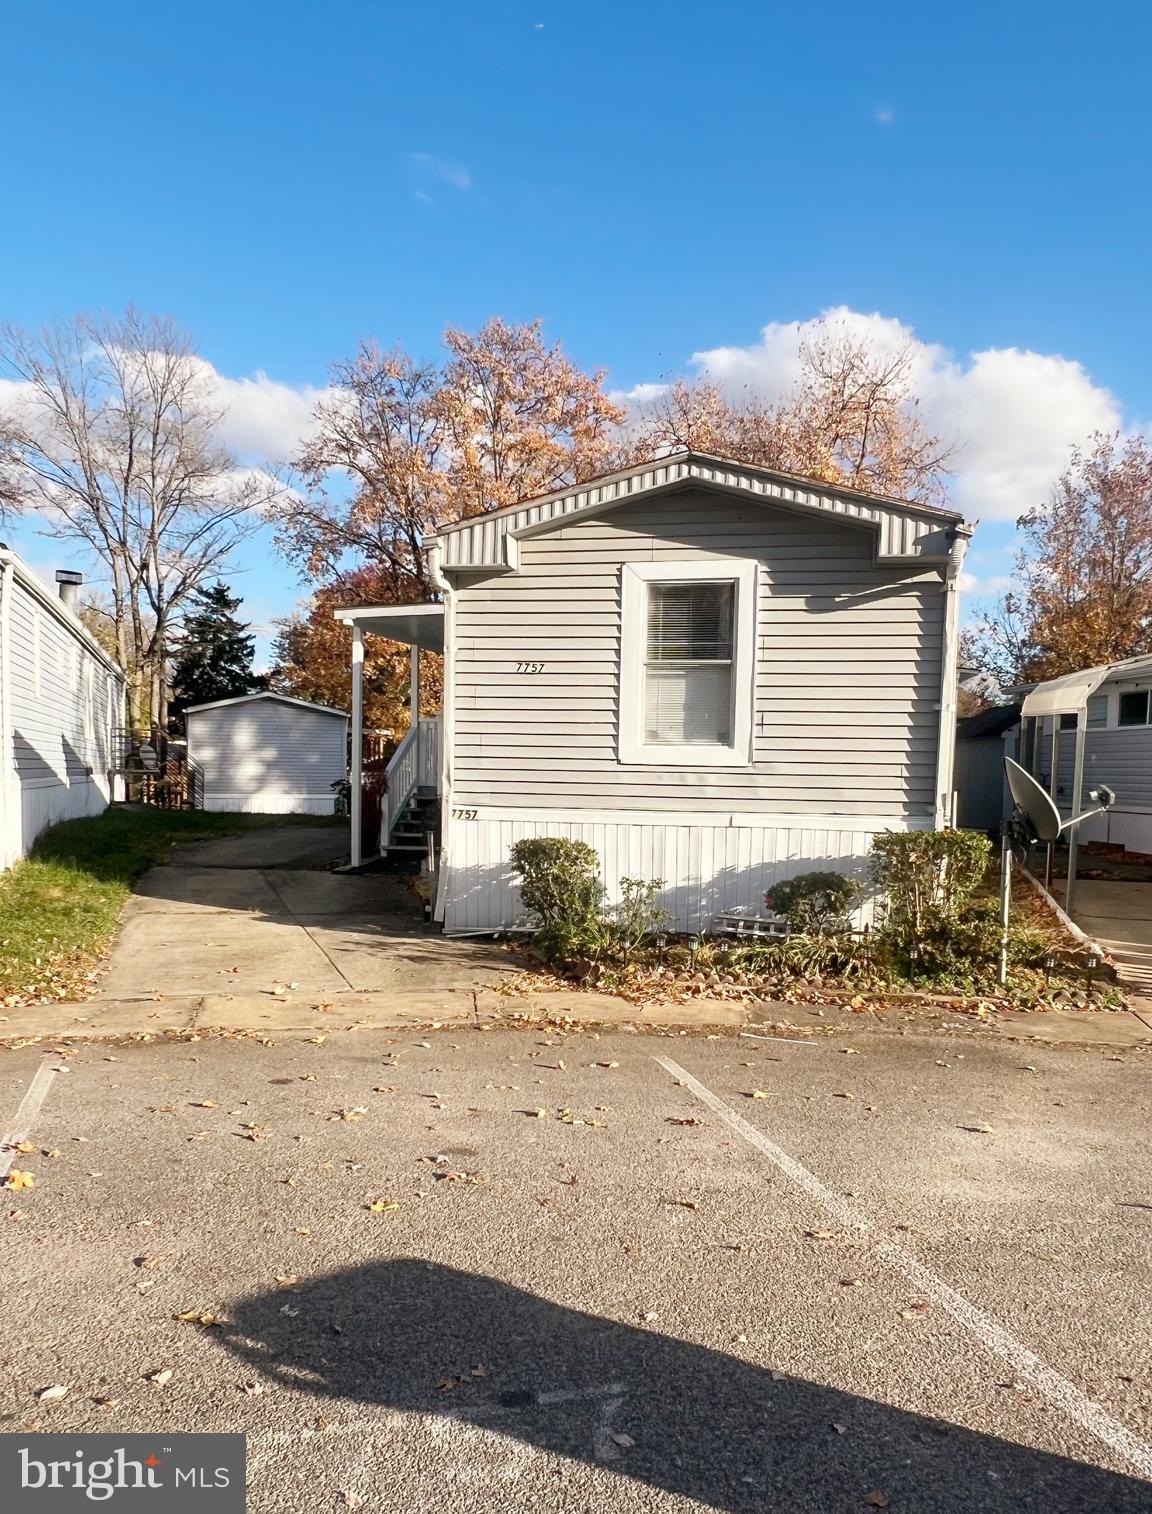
x: 415, y: 763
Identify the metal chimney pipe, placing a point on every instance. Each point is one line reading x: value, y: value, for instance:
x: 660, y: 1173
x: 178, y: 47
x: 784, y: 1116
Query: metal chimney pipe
x: 69, y: 582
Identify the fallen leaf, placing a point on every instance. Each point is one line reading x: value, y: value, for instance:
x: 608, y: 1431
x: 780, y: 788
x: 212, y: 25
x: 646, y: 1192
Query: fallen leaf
x: 252, y: 1389
x: 351, y: 1500
x: 16, y: 1180
x: 289, y: 1310
x: 480, y: 1370
x: 286, y: 1279
x: 757, y: 1093
x: 383, y: 1206
x: 204, y: 1104
x: 622, y: 1440
x: 602, y: 1064
x: 25, y: 1148
x: 201, y: 1317
x: 162, y: 1377
x: 50, y: 1395
x: 105, y: 1402
x: 876, y: 1499
x: 690, y: 1120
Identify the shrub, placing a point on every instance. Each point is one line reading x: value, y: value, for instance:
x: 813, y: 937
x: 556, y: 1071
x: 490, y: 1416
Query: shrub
x: 931, y: 930
x: 560, y: 879
x: 637, y: 916
x: 815, y: 904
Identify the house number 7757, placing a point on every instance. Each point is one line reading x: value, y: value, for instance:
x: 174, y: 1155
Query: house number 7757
x: 529, y: 667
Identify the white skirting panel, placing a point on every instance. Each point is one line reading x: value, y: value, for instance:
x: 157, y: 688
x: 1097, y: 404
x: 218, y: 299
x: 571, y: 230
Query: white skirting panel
x: 269, y: 802
x: 28, y: 809
x: 708, y: 863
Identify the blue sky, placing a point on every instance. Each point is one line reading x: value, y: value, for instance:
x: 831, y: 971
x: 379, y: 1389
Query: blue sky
x: 655, y: 181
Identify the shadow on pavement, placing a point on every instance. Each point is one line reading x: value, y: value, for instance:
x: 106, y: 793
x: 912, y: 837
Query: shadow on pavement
x: 678, y: 1417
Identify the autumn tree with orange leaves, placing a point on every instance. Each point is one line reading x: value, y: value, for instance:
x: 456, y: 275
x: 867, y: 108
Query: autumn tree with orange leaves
x: 851, y: 419
x: 504, y: 417
x: 1083, y: 592
x: 411, y: 446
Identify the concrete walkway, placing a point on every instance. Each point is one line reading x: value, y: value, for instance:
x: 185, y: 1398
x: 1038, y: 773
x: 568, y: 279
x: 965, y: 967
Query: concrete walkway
x: 262, y: 913
x: 1118, y: 915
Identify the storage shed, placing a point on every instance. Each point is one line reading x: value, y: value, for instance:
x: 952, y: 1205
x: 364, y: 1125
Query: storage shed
x: 269, y: 754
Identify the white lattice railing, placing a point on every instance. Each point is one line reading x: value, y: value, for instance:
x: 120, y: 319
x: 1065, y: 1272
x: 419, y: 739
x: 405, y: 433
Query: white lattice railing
x: 429, y: 777
x: 415, y: 763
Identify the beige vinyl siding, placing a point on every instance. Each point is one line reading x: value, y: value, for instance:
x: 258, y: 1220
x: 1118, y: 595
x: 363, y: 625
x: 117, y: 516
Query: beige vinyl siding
x: 262, y: 754
x: 847, y: 668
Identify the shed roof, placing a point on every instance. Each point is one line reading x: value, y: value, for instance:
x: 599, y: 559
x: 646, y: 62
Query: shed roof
x: 303, y: 704
x: 991, y: 722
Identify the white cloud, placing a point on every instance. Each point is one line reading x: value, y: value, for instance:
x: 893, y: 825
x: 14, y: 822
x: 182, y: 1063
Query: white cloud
x: 263, y: 418
x: 883, y: 115
x: 997, y: 584
x: 1012, y: 414
x: 452, y: 173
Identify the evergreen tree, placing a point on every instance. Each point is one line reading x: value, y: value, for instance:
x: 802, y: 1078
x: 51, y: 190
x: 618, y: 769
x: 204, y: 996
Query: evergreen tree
x: 214, y: 660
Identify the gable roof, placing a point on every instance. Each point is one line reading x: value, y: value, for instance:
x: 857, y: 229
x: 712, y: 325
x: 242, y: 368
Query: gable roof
x: 304, y: 704
x: 906, y: 531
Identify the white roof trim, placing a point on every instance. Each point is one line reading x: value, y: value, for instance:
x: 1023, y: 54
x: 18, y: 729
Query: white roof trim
x: 1069, y: 694
x: 56, y: 606
x: 417, y: 625
x: 805, y: 483
x: 304, y: 704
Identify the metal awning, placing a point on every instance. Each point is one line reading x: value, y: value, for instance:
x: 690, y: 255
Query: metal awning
x: 416, y: 625
x: 1069, y: 695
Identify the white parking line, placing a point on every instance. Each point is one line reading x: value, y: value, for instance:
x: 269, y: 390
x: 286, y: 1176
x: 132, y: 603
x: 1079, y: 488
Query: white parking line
x: 993, y: 1336
x: 34, y: 1096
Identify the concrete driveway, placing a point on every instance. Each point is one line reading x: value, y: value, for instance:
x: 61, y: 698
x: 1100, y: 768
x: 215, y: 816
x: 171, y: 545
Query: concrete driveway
x: 244, y: 914
x: 1118, y: 914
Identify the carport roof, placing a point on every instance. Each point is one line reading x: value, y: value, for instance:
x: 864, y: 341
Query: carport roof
x: 417, y: 625
x: 1068, y: 695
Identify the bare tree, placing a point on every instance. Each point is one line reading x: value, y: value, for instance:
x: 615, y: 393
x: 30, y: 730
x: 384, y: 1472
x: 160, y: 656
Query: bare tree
x: 112, y: 441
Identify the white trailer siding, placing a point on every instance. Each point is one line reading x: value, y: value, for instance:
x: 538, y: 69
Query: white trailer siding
x: 265, y: 754
x: 708, y: 863
x: 61, y: 702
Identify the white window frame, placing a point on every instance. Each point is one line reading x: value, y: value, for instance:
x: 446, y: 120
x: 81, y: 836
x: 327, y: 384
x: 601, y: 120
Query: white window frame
x: 633, y: 750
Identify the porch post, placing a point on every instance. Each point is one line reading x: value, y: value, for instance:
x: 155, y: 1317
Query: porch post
x: 1077, y: 791
x: 414, y: 703
x: 356, y: 794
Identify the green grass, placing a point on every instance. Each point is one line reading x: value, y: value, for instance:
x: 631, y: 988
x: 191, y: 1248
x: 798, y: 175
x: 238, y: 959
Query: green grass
x: 60, y: 906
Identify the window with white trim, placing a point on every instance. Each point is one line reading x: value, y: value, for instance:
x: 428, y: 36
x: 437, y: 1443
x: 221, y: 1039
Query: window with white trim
x: 687, y: 654
x: 1133, y: 708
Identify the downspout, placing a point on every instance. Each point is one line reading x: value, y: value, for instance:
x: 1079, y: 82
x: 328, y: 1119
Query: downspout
x: 946, y: 744
x: 447, y: 723
x: 9, y: 788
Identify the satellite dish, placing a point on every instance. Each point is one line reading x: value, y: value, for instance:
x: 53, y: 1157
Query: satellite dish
x: 1041, y: 814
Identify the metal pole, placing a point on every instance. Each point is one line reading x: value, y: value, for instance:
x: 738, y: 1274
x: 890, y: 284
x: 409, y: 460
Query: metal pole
x: 1005, y: 895
x: 1077, y: 801
x: 1053, y: 784
x: 356, y: 783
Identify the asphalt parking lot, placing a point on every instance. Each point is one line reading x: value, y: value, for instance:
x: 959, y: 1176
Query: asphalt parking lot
x: 545, y: 1271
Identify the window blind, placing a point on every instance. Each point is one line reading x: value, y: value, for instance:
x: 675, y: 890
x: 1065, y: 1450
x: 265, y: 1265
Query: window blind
x: 688, y: 667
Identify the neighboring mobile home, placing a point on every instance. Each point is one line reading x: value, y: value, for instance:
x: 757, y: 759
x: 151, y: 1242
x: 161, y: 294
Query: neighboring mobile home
x: 61, y: 707
x: 717, y: 675
x: 1106, y: 712
x: 268, y: 754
